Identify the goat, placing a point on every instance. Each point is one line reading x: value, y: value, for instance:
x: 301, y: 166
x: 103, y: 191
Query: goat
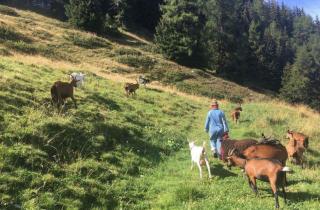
x: 228, y: 144
x: 143, y: 81
x: 265, y: 150
x: 299, y: 137
x: 235, y: 114
x: 79, y: 77
x: 199, y: 156
x: 62, y: 90
x: 295, y: 152
x: 269, y: 170
x: 131, y: 88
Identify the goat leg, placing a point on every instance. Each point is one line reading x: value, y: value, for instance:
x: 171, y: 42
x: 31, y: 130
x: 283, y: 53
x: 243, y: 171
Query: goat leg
x: 200, y: 170
x: 74, y: 101
x: 276, y: 199
x: 284, y: 194
x: 253, y: 185
x: 208, y: 166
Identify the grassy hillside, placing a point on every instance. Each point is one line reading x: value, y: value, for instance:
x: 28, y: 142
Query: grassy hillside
x: 25, y: 33
x: 118, y: 152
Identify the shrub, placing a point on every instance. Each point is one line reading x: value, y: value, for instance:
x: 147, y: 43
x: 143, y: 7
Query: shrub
x: 8, y: 11
x: 22, y: 46
x: 127, y: 51
x: 175, y: 76
x: 143, y: 62
x: 4, y: 52
x: 87, y: 41
x: 8, y: 33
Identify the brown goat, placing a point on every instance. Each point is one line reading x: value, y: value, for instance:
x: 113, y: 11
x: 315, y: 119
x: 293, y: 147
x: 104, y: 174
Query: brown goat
x: 131, y: 88
x: 295, y: 152
x: 235, y: 114
x: 240, y: 145
x: 268, y: 170
x: 299, y: 137
x: 264, y: 150
x: 62, y: 90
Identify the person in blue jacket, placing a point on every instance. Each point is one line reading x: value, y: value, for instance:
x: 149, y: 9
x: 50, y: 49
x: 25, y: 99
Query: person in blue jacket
x: 216, y: 125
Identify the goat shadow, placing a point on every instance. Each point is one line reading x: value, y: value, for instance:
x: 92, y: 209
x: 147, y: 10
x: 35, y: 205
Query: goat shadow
x: 220, y: 171
x: 297, y: 197
x: 293, y: 182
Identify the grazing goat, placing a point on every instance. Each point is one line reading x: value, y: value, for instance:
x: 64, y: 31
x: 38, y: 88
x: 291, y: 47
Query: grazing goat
x: 299, y: 137
x: 269, y: 170
x: 131, y: 88
x: 62, y: 90
x: 79, y: 77
x: 236, y: 114
x: 295, y: 152
x: 199, y: 156
x: 143, y: 81
x: 228, y: 144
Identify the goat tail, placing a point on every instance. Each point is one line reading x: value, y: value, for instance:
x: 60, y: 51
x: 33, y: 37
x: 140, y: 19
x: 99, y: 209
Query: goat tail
x: 286, y: 169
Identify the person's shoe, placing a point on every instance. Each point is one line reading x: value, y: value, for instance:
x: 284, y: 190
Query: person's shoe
x: 215, y: 155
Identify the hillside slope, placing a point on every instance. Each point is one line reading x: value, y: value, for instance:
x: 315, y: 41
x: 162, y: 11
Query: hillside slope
x: 118, y: 152
x: 48, y: 40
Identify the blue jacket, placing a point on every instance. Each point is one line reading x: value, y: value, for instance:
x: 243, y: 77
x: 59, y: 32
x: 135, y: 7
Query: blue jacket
x: 216, y: 123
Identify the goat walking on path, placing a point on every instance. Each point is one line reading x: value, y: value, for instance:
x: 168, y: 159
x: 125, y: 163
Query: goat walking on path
x: 269, y: 170
x: 199, y: 157
x: 235, y: 114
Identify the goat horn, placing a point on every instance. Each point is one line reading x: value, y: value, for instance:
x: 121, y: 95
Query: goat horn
x: 231, y: 152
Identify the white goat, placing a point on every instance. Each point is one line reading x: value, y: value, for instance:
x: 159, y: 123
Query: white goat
x: 79, y: 77
x: 199, y: 156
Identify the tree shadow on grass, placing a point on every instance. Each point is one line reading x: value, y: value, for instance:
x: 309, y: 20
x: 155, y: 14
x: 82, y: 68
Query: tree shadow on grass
x: 218, y: 170
x: 97, y: 98
x: 297, y: 197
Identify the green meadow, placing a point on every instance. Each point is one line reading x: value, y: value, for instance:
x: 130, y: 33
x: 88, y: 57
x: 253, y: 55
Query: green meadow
x: 119, y: 152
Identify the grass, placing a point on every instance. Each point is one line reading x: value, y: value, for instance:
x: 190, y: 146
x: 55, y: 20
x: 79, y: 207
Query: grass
x: 125, y: 53
x: 118, y: 152
x: 52, y: 159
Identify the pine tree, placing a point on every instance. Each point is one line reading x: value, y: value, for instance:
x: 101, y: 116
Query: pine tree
x: 301, y: 81
x: 179, y: 32
x: 85, y: 14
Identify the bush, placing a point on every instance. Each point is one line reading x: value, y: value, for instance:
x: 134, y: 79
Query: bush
x: 87, y: 41
x: 9, y: 33
x: 22, y: 46
x: 8, y: 11
x: 143, y: 62
x: 4, y: 52
x: 175, y: 76
x: 127, y: 51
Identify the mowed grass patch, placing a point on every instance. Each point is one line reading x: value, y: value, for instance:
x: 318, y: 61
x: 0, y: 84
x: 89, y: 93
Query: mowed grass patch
x: 81, y: 158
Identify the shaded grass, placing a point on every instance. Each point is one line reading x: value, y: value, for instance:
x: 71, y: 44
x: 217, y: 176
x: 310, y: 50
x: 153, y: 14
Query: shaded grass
x: 79, y: 158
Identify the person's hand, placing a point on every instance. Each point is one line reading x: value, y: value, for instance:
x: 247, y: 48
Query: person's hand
x: 225, y: 136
